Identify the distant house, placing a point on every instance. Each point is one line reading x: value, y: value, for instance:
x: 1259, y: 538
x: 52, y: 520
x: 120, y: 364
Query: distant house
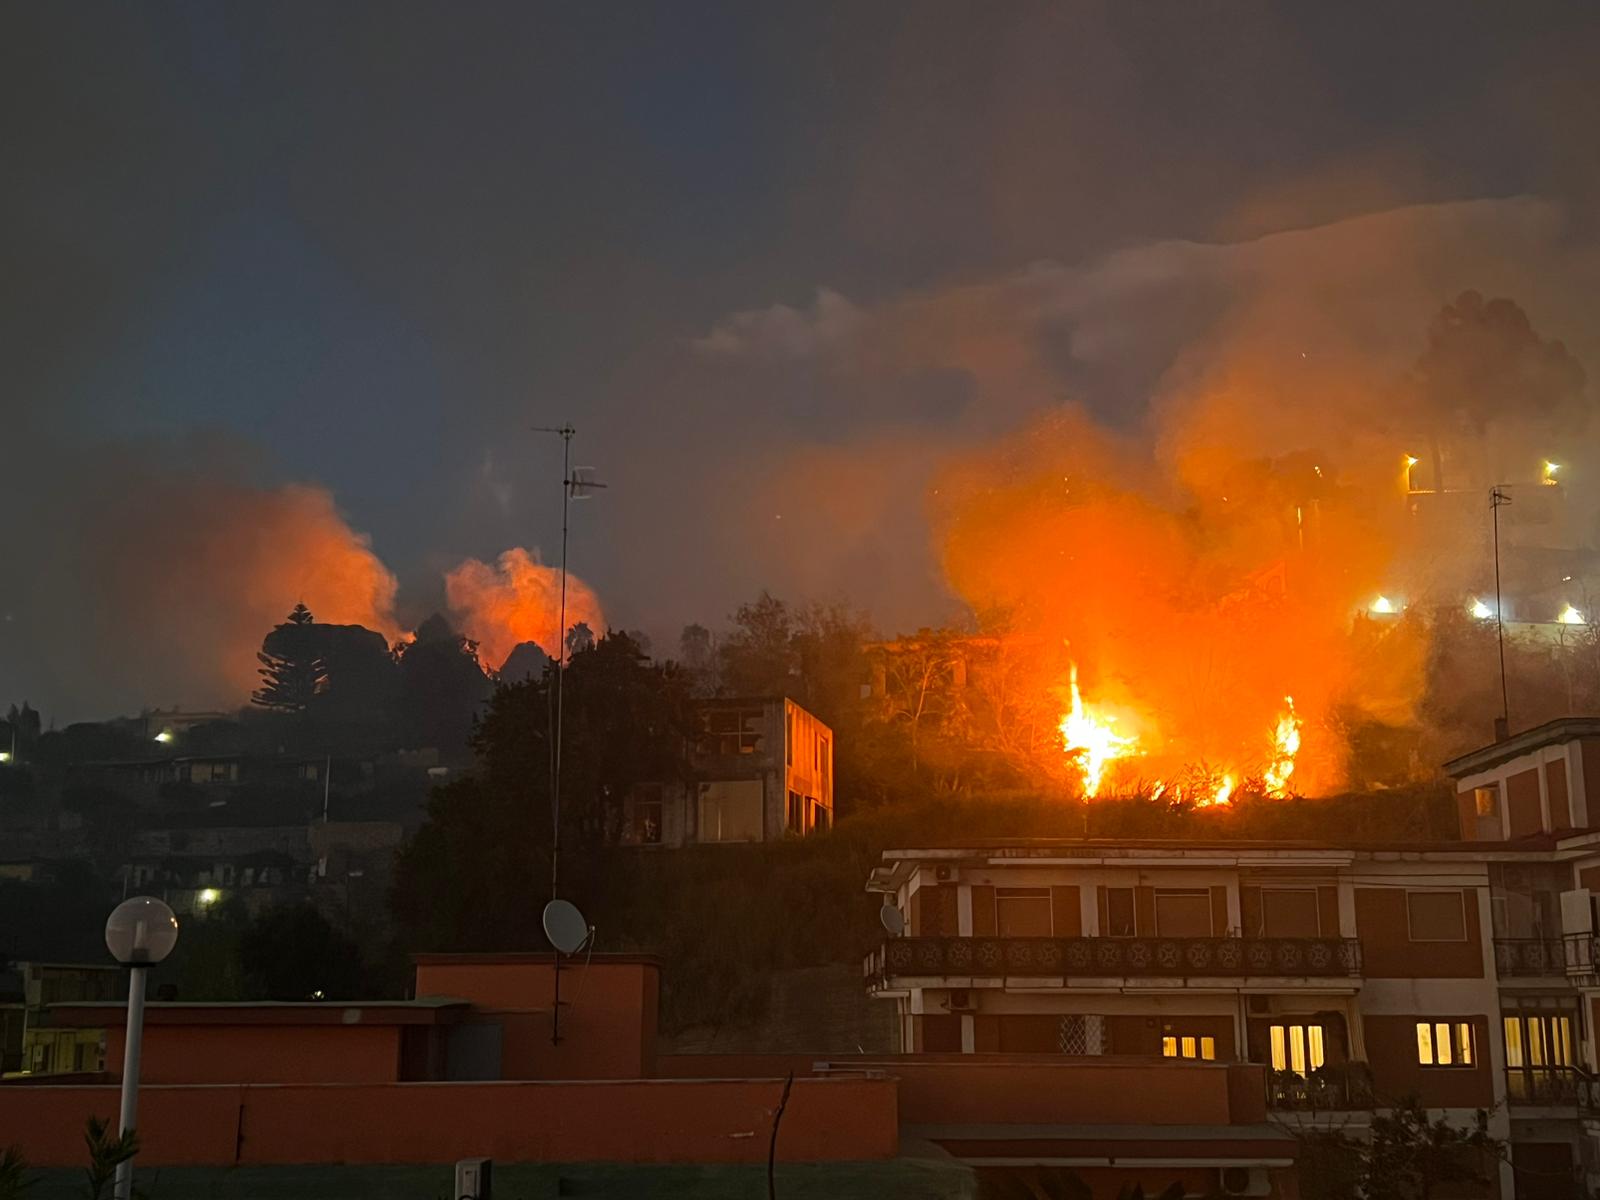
x: 759, y: 769
x: 29, y: 1045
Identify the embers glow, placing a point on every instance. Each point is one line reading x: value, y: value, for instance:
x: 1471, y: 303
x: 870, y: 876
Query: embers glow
x: 1091, y: 738
x: 1481, y: 610
x: 1382, y: 605
x: 1285, y: 745
x: 1571, y: 616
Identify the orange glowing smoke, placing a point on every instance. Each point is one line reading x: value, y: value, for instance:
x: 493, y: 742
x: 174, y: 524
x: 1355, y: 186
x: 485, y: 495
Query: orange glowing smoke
x: 516, y: 600
x: 225, y: 564
x: 1196, y: 595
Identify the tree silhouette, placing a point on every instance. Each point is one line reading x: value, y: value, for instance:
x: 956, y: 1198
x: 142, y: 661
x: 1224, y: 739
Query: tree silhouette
x: 292, y: 670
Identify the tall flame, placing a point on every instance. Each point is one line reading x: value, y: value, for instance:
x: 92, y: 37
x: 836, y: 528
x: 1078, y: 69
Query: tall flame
x: 1286, y: 744
x: 1092, y: 739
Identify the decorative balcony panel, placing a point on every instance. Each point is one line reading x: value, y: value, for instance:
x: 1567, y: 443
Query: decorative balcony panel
x: 1174, y: 957
x: 1525, y: 957
x: 1552, y: 1087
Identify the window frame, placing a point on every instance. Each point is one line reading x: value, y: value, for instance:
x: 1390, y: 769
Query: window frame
x: 1203, y: 895
x: 1020, y: 895
x: 1455, y: 1041
x: 1461, y: 900
x: 1281, y: 1044
x: 1307, y: 890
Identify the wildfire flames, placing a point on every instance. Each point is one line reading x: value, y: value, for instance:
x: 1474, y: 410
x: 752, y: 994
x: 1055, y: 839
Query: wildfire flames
x: 1092, y: 739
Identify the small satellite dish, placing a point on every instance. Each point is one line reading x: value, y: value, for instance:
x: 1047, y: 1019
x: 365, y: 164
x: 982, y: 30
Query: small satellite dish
x: 892, y: 919
x: 565, y: 927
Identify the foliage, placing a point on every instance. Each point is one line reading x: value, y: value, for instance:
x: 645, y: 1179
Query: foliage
x: 1408, y: 1157
x: 293, y: 953
x: 106, y: 1153
x: 292, y: 672
x: 14, y: 1183
x: 481, y: 862
x: 442, y: 688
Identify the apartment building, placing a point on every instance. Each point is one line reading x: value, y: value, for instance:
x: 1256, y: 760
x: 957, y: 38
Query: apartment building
x: 1464, y: 973
x: 1355, y: 974
x: 759, y: 769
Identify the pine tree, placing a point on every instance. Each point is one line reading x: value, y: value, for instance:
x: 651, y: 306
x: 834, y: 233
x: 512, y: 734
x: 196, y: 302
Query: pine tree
x: 292, y: 670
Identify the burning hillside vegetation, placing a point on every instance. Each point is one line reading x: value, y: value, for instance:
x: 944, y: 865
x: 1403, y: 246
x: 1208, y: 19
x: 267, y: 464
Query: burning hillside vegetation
x: 1218, y: 601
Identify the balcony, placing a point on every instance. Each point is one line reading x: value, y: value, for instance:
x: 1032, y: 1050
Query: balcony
x: 1115, y: 957
x: 1343, y: 1088
x: 1527, y: 957
x: 1552, y: 1087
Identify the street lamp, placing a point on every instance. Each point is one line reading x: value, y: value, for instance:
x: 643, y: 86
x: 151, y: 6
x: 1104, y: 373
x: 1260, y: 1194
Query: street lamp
x: 140, y: 932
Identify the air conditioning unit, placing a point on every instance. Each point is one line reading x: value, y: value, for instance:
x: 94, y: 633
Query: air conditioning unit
x: 961, y: 1001
x: 1246, y: 1181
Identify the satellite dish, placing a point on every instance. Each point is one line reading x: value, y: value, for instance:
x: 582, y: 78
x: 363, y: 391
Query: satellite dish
x: 892, y: 919
x: 565, y: 927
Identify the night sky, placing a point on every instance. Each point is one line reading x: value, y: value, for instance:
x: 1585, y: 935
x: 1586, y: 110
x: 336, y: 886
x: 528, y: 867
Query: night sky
x: 742, y: 247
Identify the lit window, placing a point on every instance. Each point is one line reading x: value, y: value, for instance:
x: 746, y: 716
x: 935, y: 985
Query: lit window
x: 1486, y: 800
x: 1297, y: 1048
x: 1188, y: 1046
x: 1444, y: 1044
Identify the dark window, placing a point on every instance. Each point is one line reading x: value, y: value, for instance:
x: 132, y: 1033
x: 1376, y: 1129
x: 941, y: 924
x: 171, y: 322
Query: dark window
x: 1119, y: 912
x: 1289, y: 912
x: 795, y: 813
x: 647, y: 815
x: 1183, y: 914
x: 1436, y: 917
x: 1022, y: 912
x: 731, y: 731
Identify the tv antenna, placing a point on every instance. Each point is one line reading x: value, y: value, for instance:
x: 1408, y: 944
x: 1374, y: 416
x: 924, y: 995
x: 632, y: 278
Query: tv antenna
x: 577, y: 483
x: 1499, y: 496
x: 569, y: 934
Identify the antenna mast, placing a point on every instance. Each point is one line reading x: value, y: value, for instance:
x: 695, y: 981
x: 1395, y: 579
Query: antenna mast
x: 1498, y: 496
x: 575, y: 485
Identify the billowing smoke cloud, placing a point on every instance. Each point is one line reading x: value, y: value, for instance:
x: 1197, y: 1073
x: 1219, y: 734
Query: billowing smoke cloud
x: 1211, y: 479
x: 148, y: 575
x: 518, y: 599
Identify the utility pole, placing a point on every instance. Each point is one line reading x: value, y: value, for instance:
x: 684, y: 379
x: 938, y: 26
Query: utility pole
x: 1498, y: 496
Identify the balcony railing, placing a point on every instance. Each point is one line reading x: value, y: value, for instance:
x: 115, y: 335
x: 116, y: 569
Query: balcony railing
x: 1524, y: 957
x: 1105, y: 956
x: 1552, y: 1087
x: 1345, y: 1088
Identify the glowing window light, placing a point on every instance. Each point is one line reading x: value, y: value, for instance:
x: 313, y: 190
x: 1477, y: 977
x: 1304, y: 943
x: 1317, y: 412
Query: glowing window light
x: 207, y: 897
x: 1382, y: 605
x: 1571, y: 616
x: 1481, y: 610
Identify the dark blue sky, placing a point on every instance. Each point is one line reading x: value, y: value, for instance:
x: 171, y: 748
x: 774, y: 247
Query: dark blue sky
x: 366, y: 245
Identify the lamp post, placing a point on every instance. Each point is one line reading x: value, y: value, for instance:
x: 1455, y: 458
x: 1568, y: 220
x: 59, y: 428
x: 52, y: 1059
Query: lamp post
x: 139, y: 933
